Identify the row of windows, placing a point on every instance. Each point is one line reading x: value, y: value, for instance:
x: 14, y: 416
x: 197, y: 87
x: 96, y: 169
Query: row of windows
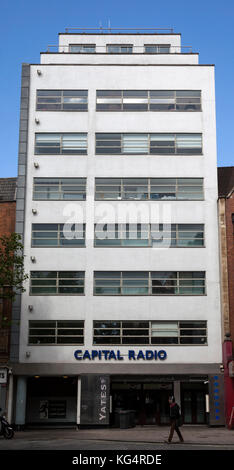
x: 119, y: 144
x: 119, y: 332
x: 120, y: 189
x: 120, y: 48
x: 119, y: 283
x: 119, y: 235
x: 120, y: 100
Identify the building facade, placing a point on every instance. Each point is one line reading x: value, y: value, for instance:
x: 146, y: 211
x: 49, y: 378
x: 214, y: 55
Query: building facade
x: 117, y: 204
x: 226, y: 229
x: 7, y: 226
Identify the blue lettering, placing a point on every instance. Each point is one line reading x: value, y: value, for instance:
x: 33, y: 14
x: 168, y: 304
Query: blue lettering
x: 87, y: 355
x: 119, y: 357
x: 94, y: 354
x: 149, y: 355
x: 131, y: 355
x: 140, y: 355
x: 106, y: 352
x: 77, y: 355
x: 112, y: 355
x: 162, y: 355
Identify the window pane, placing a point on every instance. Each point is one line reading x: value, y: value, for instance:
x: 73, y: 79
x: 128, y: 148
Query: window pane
x: 108, y: 143
x: 135, y: 143
x: 47, y: 143
x: 86, y: 48
x: 162, y: 144
x: 115, y: 48
x: 189, y: 143
x: 106, y: 324
x: 74, y: 144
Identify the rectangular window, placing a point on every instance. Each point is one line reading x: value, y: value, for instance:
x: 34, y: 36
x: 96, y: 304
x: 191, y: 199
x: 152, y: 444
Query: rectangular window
x: 57, y: 282
x: 149, y: 332
x: 119, y: 48
x: 149, y: 283
x: 178, y: 283
x: 149, y: 235
x: 148, y: 100
x: 148, y: 144
x: 108, y: 188
x: 157, y: 48
x: 137, y: 189
x: 55, y: 332
x: 62, y: 100
x: 177, y: 189
x: 61, y: 144
x: 190, y: 144
x: 58, y: 235
x: 67, y: 189
x: 82, y: 48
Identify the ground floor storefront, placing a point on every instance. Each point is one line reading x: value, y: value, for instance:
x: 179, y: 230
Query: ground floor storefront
x: 149, y: 399
x: 98, y: 399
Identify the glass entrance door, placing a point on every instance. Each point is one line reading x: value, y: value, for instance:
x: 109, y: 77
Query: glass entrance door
x: 148, y: 400
x: 193, y: 403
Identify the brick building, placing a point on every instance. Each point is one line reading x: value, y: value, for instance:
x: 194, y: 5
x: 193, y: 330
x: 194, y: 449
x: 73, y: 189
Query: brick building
x: 7, y: 226
x: 226, y: 227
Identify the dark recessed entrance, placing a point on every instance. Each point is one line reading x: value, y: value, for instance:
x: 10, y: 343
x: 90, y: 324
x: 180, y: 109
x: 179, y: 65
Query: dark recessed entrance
x: 51, y: 400
x: 148, y: 400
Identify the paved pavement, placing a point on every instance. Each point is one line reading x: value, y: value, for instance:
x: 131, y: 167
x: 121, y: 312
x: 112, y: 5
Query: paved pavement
x: 146, y: 437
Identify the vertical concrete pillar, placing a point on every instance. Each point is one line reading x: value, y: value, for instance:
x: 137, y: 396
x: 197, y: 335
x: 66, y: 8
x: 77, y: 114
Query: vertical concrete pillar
x: 21, y: 401
x: 10, y: 399
x: 78, y: 400
x: 177, y: 392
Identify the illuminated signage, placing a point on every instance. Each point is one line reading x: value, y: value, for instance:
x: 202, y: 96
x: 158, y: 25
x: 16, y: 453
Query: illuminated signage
x: 108, y: 355
x: 3, y: 376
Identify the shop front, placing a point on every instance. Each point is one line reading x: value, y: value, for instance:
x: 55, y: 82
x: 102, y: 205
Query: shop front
x: 51, y: 401
x: 95, y: 392
x: 149, y: 399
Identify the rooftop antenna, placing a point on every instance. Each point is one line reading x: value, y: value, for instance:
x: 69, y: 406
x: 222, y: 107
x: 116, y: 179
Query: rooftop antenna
x: 109, y: 25
x: 100, y: 26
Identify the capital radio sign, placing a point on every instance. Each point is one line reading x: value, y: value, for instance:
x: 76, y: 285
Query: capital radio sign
x: 111, y: 355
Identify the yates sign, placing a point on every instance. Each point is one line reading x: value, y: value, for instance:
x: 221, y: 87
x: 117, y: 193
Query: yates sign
x: 108, y: 355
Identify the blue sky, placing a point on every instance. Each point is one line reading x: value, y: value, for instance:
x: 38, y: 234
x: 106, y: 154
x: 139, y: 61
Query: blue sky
x: 27, y: 27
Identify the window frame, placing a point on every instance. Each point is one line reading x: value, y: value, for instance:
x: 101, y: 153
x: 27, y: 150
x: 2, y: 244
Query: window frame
x: 61, y: 136
x: 120, y: 46
x: 158, y: 46
x: 150, y: 336
x: 57, y: 286
x: 117, y: 282
x: 150, y: 183
x: 173, y: 137
x: 85, y: 45
x: 125, y: 228
x: 60, y: 192
x: 149, y: 103
x: 61, y: 102
x: 56, y: 335
x: 58, y: 237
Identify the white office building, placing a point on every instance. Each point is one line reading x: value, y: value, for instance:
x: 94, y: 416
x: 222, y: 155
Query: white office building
x: 117, y: 205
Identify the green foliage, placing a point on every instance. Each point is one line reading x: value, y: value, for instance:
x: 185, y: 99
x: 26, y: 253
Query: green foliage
x: 12, y: 274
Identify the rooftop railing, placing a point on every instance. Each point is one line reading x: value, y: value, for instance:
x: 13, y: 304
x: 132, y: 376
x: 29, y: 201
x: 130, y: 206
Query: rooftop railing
x: 109, y: 30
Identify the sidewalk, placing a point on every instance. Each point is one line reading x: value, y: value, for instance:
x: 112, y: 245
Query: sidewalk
x: 156, y: 434
x: 201, y: 435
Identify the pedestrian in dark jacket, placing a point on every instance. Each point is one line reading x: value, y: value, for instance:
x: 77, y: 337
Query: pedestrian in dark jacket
x: 174, y: 417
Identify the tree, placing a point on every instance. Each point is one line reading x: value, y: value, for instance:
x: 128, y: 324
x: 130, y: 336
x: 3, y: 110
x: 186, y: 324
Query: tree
x: 12, y: 274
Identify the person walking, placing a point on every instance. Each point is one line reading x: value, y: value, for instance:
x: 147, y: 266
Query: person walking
x: 174, y: 417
